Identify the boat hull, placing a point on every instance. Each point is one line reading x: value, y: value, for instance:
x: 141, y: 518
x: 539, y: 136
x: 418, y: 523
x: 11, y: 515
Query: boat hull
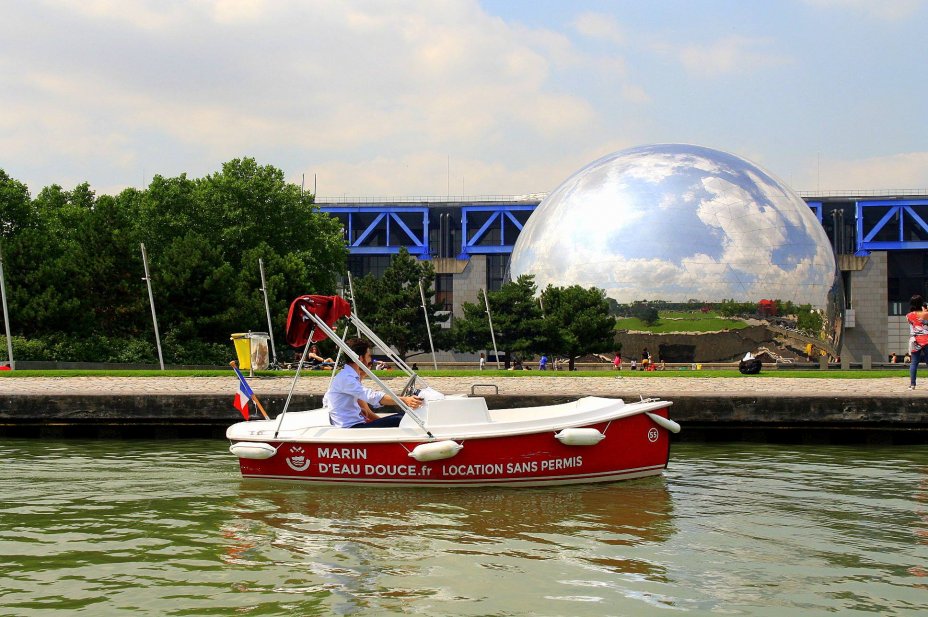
x: 634, y: 446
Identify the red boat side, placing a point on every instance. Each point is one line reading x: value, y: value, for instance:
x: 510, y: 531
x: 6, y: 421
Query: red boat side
x: 634, y: 446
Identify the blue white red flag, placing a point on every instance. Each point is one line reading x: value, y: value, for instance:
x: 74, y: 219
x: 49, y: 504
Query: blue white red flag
x: 244, y: 394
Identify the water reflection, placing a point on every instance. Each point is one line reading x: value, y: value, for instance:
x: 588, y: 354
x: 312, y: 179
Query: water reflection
x: 346, y: 535
x: 160, y: 528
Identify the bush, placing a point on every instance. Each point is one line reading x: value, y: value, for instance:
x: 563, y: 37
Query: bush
x: 98, y: 348
x: 191, y: 351
x: 647, y: 314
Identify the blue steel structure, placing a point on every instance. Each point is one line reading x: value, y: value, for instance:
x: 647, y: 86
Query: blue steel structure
x: 498, y: 214
x: 492, y: 229
x: 891, y: 225
x: 383, y: 229
x: 817, y: 208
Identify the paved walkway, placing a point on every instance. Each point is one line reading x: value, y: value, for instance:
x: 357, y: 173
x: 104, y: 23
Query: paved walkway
x: 624, y: 386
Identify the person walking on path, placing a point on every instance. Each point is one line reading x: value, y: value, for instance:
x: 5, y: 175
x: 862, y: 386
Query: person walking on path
x: 918, y: 342
x: 483, y: 360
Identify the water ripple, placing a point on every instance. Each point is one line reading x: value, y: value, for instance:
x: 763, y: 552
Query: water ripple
x: 168, y: 528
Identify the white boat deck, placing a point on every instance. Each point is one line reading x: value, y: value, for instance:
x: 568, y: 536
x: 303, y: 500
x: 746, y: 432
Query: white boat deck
x: 455, y: 417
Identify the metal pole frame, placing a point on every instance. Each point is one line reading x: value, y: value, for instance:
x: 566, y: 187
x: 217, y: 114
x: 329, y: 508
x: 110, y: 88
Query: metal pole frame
x: 296, y: 377
x: 428, y: 326
x: 151, y: 300
x: 354, y: 358
x: 354, y: 301
x: 378, y: 342
x: 267, y: 309
x: 6, y: 317
x: 486, y: 299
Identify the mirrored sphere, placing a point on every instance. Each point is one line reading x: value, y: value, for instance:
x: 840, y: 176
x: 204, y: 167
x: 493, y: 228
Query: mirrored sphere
x: 683, y: 223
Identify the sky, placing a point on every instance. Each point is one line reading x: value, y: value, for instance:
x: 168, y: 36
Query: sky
x: 459, y: 97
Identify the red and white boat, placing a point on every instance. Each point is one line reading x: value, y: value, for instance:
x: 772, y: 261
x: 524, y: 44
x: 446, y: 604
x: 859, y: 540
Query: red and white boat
x: 451, y: 440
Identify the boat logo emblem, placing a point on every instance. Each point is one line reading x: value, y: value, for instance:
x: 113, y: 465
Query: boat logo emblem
x: 297, y: 460
x: 652, y: 435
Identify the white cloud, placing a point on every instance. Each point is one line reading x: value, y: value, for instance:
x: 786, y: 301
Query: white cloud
x: 907, y: 170
x: 893, y: 10
x: 731, y: 54
x: 600, y: 26
x: 346, y: 83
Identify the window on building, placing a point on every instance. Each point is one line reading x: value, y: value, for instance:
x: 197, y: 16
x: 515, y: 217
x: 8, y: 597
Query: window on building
x: 362, y: 265
x: 908, y: 275
x: 444, y: 291
x: 496, y: 271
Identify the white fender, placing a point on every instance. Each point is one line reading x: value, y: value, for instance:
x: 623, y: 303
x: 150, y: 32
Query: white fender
x: 579, y: 436
x: 666, y: 423
x: 253, y: 450
x: 435, y: 451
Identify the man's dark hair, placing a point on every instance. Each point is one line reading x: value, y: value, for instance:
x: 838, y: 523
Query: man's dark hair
x: 917, y: 303
x: 359, y: 346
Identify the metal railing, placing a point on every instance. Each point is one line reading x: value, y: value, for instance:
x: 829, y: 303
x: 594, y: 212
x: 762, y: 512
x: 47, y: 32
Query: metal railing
x: 430, y: 199
x: 866, y: 193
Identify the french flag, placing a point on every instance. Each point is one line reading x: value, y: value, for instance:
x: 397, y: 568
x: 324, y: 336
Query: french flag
x: 244, y: 394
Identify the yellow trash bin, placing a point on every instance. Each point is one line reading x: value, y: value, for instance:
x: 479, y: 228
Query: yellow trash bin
x: 242, y: 350
x: 251, y: 349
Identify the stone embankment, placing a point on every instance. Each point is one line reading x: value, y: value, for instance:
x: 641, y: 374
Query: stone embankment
x: 805, y: 409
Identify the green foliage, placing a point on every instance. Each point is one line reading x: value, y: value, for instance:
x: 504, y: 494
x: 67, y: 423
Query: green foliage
x: 579, y: 321
x: 517, y: 321
x: 646, y: 313
x: 392, y: 305
x: 809, y: 320
x: 74, y: 270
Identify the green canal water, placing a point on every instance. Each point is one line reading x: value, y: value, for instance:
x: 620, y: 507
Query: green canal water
x: 168, y: 528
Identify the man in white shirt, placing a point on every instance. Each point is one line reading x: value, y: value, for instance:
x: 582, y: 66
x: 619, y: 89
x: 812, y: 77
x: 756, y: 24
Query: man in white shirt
x: 346, y: 390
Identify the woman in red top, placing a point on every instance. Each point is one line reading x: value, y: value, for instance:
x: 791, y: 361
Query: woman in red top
x: 918, y: 327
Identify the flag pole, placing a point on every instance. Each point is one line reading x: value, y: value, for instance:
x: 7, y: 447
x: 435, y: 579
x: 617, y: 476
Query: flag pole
x: 151, y: 300
x: 6, y: 317
x: 428, y: 327
x: 354, y: 303
x: 267, y: 309
x: 253, y: 395
x: 492, y: 334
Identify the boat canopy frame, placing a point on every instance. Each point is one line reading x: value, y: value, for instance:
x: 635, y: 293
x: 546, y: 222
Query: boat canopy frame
x: 299, y: 306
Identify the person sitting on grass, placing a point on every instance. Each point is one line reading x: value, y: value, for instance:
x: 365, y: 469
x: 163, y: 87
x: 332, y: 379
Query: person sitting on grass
x: 317, y: 362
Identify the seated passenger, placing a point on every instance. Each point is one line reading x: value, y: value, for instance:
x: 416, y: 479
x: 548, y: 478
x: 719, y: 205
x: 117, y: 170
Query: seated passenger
x: 346, y: 392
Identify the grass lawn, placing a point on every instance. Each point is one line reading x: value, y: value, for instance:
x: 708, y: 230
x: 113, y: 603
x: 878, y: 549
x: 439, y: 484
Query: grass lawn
x: 680, y: 321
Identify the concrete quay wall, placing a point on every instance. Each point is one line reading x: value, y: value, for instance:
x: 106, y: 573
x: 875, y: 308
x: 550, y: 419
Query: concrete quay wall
x: 756, y: 408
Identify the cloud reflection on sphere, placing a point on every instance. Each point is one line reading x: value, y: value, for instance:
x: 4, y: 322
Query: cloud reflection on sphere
x: 677, y: 223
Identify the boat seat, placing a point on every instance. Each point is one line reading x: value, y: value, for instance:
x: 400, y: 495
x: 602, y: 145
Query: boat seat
x: 451, y: 412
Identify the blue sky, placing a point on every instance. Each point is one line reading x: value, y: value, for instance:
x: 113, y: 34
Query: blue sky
x: 433, y: 97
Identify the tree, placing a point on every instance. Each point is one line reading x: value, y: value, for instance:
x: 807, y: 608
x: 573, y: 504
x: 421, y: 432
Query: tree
x: 517, y: 320
x: 581, y: 319
x: 74, y: 271
x: 15, y: 206
x: 392, y: 305
x: 646, y: 313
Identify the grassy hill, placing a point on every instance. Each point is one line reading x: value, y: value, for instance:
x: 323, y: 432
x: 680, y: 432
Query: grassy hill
x: 680, y: 321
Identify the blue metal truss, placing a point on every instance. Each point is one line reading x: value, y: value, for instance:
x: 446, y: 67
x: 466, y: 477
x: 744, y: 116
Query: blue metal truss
x: 475, y: 244
x: 817, y: 208
x: 388, y: 220
x: 909, y: 221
